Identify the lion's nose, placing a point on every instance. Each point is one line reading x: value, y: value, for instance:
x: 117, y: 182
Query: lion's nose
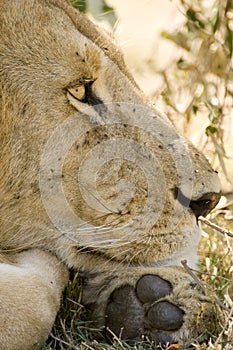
x: 203, y: 205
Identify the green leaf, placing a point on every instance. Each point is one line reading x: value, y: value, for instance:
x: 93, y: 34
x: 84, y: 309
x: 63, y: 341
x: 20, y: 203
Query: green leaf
x: 81, y: 5
x: 211, y: 130
x: 195, y: 109
x: 191, y: 14
x: 98, y: 8
x: 215, y: 22
x: 107, y: 8
x: 212, y: 117
x: 229, y: 40
x: 215, y: 120
x: 109, y: 13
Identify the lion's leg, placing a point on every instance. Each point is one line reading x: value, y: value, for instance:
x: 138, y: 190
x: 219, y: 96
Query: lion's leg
x: 163, y: 304
x: 30, y: 292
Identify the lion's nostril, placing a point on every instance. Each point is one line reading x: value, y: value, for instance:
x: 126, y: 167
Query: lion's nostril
x: 203, y: 205
x: 200, y: 207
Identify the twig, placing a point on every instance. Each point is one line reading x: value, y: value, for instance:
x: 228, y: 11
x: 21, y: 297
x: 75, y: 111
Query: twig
x: 63, y: 342
x: 116, y: 338
x: 212, y: 275
x: 216, y: 227
x: 192, y: 274
x: 87, y: 346
x: 201, y: 285
x: 70, y: 341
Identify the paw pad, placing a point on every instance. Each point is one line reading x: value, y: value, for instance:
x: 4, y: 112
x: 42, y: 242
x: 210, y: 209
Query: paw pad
x: 165, y: 316
x: 134, y: 313
x: 151, y: 288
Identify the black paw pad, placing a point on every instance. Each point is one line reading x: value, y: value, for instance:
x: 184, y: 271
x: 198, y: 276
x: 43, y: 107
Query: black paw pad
x: 139, y: 313
x: 124, y: 313
x: 165, y: 316
x: 151, y: 288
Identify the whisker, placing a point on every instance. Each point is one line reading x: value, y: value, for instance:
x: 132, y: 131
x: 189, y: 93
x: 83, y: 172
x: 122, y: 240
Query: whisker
x: 121, y: 262
x: 103, y: 229
x: 97, y: 199
x: 136, y: 254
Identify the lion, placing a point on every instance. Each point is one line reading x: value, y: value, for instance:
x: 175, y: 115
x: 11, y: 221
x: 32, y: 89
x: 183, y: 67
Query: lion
x: 93, y: 178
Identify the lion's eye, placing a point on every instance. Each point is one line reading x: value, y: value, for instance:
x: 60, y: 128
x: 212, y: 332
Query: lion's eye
x: 78, y: 92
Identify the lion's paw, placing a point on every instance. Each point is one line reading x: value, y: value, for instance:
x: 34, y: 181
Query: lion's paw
x: 134, y: 313
x: 161, y: 304
x: 153, y: 309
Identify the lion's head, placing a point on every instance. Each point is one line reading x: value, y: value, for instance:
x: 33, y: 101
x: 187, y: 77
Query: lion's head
x: 89, y: 168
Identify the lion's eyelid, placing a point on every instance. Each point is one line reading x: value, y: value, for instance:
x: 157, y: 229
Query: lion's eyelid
x: 78, y: 92
x: 86, y: 81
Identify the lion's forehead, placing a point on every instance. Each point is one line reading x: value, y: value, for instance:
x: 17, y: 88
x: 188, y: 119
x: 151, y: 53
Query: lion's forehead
x: 41, y: 44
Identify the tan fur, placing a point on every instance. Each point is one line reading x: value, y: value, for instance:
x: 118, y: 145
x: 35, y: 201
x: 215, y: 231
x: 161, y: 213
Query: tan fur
x: 30, y: 293
x: 46, y: 48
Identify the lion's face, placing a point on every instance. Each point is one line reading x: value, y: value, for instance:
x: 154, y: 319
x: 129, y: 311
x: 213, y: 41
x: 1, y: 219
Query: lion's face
x: 88, y: 165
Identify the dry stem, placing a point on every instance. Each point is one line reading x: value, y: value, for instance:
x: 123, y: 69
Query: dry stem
x: 201, y: 285
x: 216, y: 227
